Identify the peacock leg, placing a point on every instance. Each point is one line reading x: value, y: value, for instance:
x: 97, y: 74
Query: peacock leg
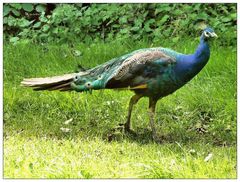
x: 132, y: 102
x: 152, y: 106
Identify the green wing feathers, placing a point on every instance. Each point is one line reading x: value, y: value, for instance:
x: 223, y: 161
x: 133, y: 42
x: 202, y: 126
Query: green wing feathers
x: 126, y: 72
x: 137, y: 69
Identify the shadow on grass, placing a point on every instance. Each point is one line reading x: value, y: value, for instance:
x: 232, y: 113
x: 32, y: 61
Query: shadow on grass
x: 144, y: 136
x: 113, y: 133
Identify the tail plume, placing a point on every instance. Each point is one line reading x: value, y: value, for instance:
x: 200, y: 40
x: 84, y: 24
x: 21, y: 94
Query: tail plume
x: 62, y: 83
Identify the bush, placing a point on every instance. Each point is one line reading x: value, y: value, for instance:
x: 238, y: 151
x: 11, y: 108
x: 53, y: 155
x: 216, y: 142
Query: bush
x: 89, y: 22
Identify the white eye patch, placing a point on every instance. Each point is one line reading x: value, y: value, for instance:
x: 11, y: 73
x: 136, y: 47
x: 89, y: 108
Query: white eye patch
x: 210, y: 34
x: 206, y: 35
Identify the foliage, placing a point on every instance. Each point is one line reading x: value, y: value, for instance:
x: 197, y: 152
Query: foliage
x: 91, y: 22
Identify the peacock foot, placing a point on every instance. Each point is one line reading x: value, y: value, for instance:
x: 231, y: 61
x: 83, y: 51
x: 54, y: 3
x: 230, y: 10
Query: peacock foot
x: 156, y: 138
x: 127, y: 128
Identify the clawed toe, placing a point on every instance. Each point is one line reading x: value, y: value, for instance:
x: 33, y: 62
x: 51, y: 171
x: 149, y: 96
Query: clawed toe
x: 126, y: 128
x: 156, y: 138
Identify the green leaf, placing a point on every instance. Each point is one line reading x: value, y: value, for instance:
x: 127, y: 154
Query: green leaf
x: 226, y: 19
x: 43, y: 36
x: 24, y: 33
x: 124, y: 31
x: 233, y: 16
x: 55, y: 31
x: 178, y: 12
x: 123, y: 20
x: 138, y: 22
x: 197, y: 7
x: 145, y: 14
x: 13, y: 39
x: 11, y: 21
x: 77, y: 53
x: 202, y: 16
x: 175, y: 39
x: 16, y: 6
x: 187, y: 8
x: 5, y: 20
x: 166, y: 7
x: 27, y: 7
x: 37, y: 25
x: 16, y: 12
x: 24, y: 22
x: 42, y: 18
x: 135, y: 29
x: 41, y: 8
x: 151, y: 21
x: 157, y: 11
x: 6, y: 10
x: 164, y: 19
x: 147, y: 28
x: 45, y: 28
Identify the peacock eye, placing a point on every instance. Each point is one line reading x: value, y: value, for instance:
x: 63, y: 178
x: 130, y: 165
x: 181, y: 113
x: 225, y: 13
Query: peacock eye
x: 209, y: 34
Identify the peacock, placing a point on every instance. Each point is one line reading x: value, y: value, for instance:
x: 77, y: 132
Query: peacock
x: 148, y: 72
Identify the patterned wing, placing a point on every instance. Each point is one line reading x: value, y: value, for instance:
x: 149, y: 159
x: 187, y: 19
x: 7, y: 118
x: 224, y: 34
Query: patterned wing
x: 137, y: 68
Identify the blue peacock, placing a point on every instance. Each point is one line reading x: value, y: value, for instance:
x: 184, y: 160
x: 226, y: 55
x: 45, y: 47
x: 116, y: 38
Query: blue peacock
x: 151, y: 72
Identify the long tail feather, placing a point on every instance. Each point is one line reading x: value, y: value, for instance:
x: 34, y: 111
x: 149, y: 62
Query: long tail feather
x: 61, y: 83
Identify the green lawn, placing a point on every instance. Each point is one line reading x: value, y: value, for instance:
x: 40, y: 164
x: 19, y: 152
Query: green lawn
x: 197, y: 123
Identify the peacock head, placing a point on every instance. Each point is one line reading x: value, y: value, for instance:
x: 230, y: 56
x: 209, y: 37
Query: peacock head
x: 208, y: 33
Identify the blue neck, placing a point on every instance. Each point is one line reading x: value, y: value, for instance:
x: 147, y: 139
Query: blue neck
x: 190, y: 65
x: 202, y: 53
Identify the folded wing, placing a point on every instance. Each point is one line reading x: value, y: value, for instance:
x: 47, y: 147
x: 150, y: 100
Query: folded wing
x: 136, y: 70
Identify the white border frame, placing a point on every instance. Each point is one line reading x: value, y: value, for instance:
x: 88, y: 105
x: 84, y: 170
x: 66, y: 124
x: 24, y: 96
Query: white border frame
x: 120, y: 1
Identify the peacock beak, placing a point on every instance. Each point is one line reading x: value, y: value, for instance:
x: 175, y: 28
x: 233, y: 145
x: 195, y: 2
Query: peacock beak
x: 214, y: 35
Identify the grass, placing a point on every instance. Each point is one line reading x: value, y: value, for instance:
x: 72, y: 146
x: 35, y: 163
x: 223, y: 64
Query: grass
x: 197, y: 121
